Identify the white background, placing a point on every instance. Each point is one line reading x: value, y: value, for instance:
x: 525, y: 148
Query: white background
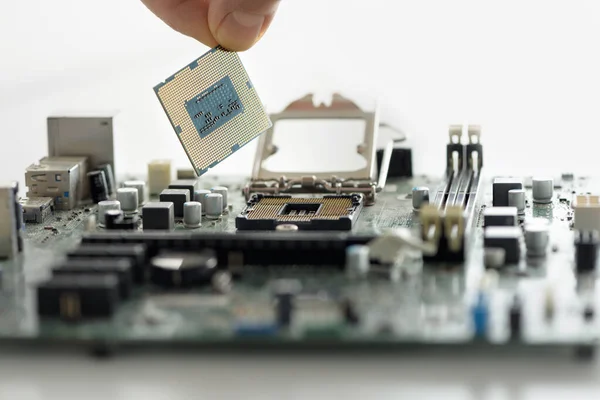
x: 528, y: 71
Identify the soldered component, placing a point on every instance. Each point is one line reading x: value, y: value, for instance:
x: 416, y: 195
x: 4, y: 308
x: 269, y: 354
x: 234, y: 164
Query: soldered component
x: 159, y: 216
x: 137, y: 253
x: 77, y: 136
x: 199, y: 197
x: 586, y: 251
x: 83, y: 186
x: 542, y: 190
x: 37, y: 209
x: 222, y: 190
x: 500, y: 216
x: 76, y: 297
x: 122, y: 268
x: 56, y: 179
x: 105, y: 206
x: 536, y: 238
x: 445, y: 231
x: 110, y: 178
x: 213, y: 107
x: 480, y: 315
x: 287, y: 228
x: 515, y: 317
x: 170, y: 269
x: 516, y: 198
x: 9, y: 215
x: 420, y: 197
x: 112, y: 218
x: 507, y: 238
x: 334, y: 213
x: 159, y: 176
x: 98, y: 186
x: 176, y: 196
x: 189, y: 184
x: 358, y: 261
x: 494, y: 257
x: 500, y: 188
x: 213, y: 205
x: 128, y: 197
x: 141, y: 188
x: 192, y: 214
x: 587, y: 212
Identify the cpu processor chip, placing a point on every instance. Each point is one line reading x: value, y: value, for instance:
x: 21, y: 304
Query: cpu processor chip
x: 213, y: 107
x: 324, y: 213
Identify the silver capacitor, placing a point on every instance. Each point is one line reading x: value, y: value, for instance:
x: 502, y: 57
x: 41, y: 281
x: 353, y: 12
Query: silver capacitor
x: 494, y: 257
x: 287, y: 228
x: 542, y: 190
x: 141, y: 188
x: 358, y: 261
x: 516, y: 198
x: 213, y: 203
x: 129, y: 200
x: 536, y: 237
x: 105, y: 206
x: 199, y: 197
x: 420, y: 197
x: 192, y: 214
x: 222, y: 190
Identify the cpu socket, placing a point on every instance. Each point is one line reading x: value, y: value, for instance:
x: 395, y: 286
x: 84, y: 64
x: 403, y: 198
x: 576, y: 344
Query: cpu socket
x: 365, y: 179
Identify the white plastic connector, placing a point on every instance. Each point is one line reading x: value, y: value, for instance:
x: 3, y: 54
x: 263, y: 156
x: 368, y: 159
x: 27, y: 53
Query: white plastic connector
x: 587, y: 212
x: 393, y: 244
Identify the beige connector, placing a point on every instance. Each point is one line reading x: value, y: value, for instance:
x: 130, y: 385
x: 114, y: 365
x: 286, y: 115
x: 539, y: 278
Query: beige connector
x: 159, y: 176
x: 587, y: 212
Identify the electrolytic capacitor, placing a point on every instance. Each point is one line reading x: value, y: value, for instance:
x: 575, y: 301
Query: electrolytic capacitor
x: 536, y: 238
x: 222, y: 190
x: 110, y: 177
x: 98, y: 186
x: 516, y: 198
x: 141, y: 188
x: 111, y: 218
x: 214, y: 205
x: 192, y: 214
x: 542, y: 190
x: 420, y: 197
x: 358, y: 261
x: 199, y: 197
x: 105, y: 206
x: 129, y: 200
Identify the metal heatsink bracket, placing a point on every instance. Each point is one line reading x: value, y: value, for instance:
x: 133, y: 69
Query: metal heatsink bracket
x: 367, y: 181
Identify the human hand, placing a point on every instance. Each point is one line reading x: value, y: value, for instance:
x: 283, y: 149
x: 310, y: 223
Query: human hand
x: 234, y: 24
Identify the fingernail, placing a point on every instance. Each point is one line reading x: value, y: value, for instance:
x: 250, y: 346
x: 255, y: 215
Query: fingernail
x: 240, y: 29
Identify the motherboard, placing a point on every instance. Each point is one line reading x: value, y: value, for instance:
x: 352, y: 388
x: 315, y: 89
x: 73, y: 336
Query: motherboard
x: 371, y: 257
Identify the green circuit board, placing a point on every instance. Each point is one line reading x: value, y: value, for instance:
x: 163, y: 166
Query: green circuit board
x: 427, y: 304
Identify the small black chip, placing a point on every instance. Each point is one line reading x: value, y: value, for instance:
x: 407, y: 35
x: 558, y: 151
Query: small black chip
x: 76, y: 297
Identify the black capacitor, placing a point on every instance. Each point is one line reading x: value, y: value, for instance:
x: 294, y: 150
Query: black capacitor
x: 180, y: 270
x: 122, y: 268
x: 284, y: 310
x: 110, y: 178
x: 514, y: 318
x: 586, y: 251
x: 112, y: 218
x: 350, y: 313
x: 126, y: 223
x: 75, y: 297
x: 98, y: 186
x: 137, y: 253
x: 285, y: 292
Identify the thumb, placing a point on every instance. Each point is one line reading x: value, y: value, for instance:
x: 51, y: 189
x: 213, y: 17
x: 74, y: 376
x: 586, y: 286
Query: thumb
x: 238, y: 24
